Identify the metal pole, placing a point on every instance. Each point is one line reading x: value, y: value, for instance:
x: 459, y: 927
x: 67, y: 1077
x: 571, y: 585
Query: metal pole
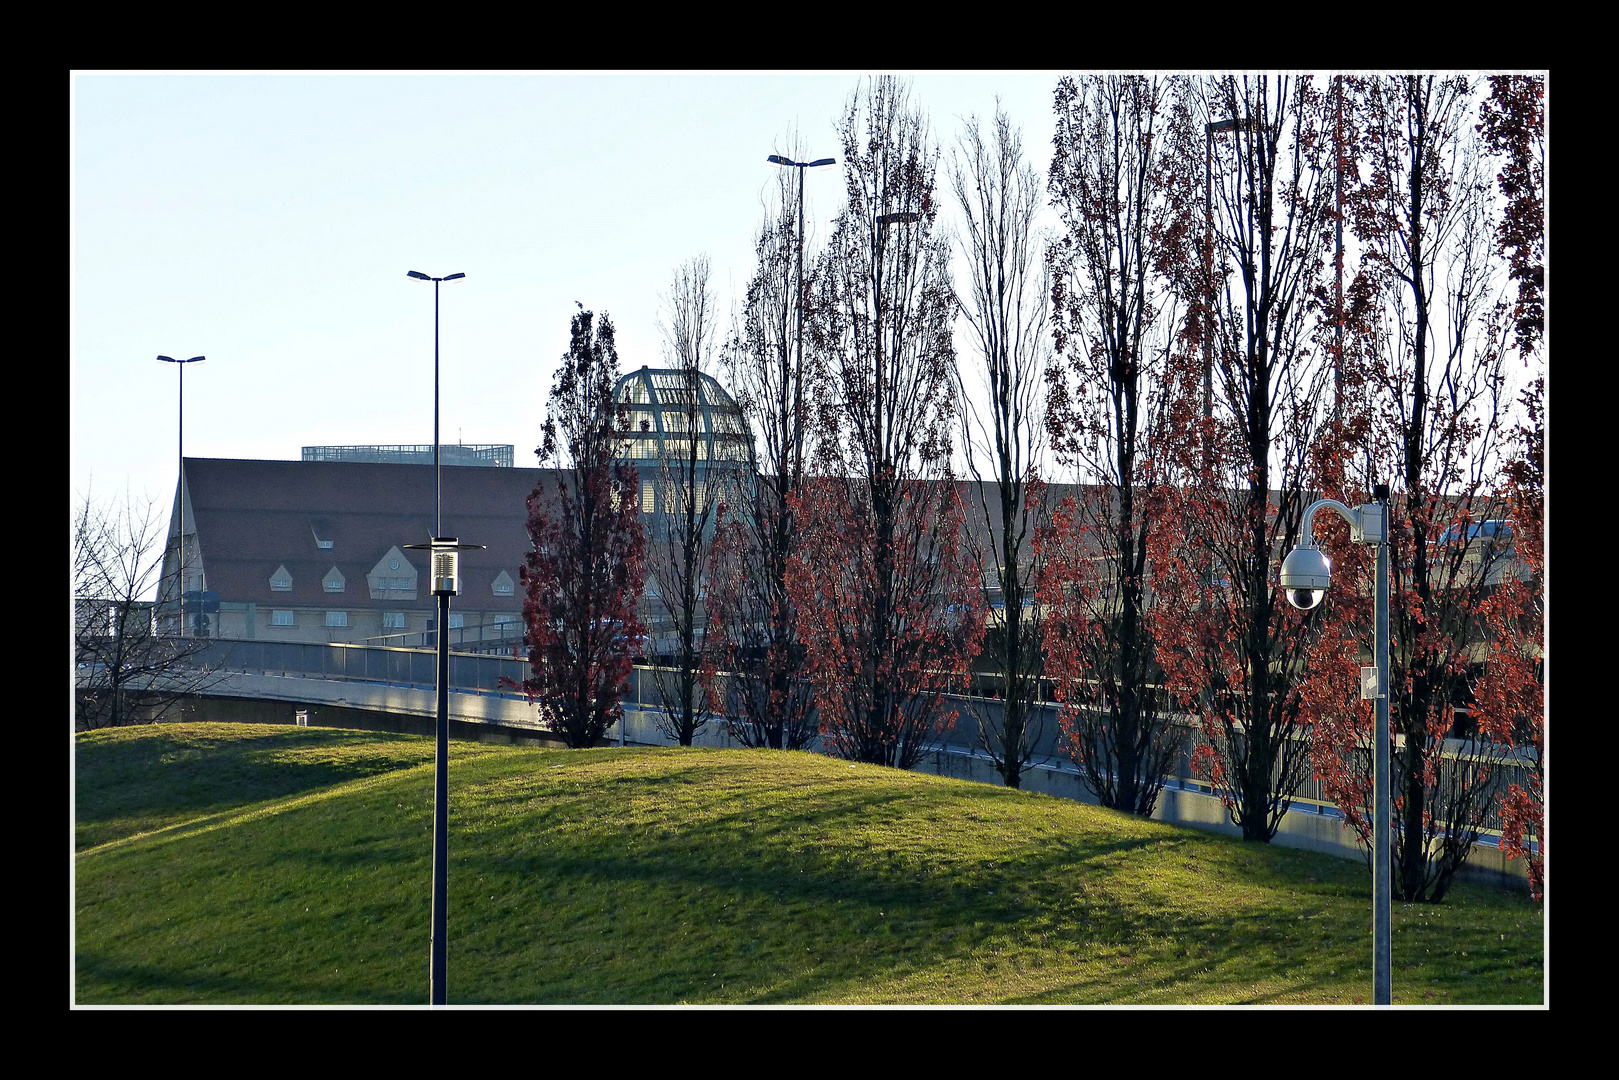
x: 441, y: 815
x: 798, y: 380
x: 180, y: 473
x: 438, y: 472
x: 181, y: 490
x: 1382, y: 980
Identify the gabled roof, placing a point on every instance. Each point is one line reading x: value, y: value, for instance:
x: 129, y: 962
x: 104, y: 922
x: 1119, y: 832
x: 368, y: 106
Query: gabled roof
x: 253, y: 516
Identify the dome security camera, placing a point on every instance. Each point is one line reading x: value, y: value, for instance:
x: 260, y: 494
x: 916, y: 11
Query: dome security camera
x: 1306, y: 574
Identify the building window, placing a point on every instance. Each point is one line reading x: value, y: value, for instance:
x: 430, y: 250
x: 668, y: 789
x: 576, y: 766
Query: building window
x: 337, y: 618
x: 507, y: 618
x: 393, y: 620
x: 333, y: 581
x: 281, y: 581
x: 457, y: 621
x: 281, y: 617
x: 503, y: 584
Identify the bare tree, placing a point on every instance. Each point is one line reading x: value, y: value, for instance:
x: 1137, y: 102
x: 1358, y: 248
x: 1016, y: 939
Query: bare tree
x: 1006, y: 305
x: 693, y: 474
x: 1113, y: 181
x: 126, y: 671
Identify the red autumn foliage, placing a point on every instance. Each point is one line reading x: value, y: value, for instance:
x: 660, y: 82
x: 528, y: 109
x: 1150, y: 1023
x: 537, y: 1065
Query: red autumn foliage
x: 1510, y: 699
x: 1425, y: 384
x: 1512, y: 121
x: 756, y: 664
x: 888, y: 628
x: 1120, y: 181
x: 1252, y: 396
x: 890, y: 609
x: 583, y: 579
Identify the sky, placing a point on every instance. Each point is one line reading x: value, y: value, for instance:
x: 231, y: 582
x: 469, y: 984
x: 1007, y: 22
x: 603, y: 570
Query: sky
x: 267, y: 221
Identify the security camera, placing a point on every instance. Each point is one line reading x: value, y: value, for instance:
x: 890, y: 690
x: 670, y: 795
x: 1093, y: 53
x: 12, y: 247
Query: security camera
x: 1306, y: 573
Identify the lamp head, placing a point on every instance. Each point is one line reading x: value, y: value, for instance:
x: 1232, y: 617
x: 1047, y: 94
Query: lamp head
x: 1306, y: 574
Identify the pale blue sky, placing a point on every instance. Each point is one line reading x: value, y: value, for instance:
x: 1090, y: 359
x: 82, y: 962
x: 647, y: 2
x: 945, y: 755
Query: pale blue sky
x: 266, y: 220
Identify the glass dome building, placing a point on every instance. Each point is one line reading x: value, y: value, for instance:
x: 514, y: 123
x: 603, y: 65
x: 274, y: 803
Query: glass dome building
x: 660, y: 414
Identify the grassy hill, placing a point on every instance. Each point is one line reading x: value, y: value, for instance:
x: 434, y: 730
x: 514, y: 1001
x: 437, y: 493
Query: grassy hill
x: 226, y: 863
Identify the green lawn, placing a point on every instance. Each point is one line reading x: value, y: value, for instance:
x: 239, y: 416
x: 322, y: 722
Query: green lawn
x: 250, y: 864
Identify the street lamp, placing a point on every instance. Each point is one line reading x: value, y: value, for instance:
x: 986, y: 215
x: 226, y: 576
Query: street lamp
x: 438, y: 475
x: 1306, y: 574
x: 180, y: 493
x: 798, y: 293
x: 445, y: 576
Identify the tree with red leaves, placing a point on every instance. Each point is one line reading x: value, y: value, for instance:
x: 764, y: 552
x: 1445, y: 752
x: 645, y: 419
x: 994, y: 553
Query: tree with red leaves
x: 890, y: 611
x: 1512, y: 121
x: 757, y: 667
x: 1252, y: 393
x: 1114, y: 182
x: 1428, y: 376
x: 583, y: 578
x: 1510, y: 698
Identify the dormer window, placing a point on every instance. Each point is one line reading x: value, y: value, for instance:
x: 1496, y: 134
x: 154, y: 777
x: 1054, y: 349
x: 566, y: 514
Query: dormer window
x: 324, y: 545
x: 392, y: 578
x: 281, y: 581
x: 503, y: 584
x: 333, y: 581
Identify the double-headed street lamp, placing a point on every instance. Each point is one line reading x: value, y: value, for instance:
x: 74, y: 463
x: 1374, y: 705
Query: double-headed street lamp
x: 1306, y: 574
x: 798, y: 294
x: 438, y: 475
x: 445, y: 575
x: 180, y: 484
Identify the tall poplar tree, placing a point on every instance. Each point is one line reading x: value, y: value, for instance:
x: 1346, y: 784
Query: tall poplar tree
x: 890, y: 609
x: 583, y: 578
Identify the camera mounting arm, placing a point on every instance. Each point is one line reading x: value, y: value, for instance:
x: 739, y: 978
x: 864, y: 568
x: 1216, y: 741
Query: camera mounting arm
x: 1366, y: 523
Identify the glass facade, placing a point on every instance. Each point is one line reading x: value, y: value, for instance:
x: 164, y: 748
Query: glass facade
x: 668, y: 417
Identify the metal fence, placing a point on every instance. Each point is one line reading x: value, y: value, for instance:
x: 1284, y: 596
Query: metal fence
x: 498, y: 675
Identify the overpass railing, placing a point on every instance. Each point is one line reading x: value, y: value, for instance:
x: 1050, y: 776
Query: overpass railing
x: 483, y: 674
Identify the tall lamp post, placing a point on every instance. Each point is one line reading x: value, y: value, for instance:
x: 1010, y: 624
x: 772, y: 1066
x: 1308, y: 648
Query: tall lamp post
x: 1306, y: 573
x: 445, y: 575
x: 798, y: 295
x: 180, y: 485
x: 438, y: 473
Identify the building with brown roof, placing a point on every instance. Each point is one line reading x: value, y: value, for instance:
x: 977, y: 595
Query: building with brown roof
x: 316, y: 550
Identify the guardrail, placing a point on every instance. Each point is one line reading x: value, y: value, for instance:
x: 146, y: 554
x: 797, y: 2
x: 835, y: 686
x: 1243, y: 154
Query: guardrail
x: 484, y: 674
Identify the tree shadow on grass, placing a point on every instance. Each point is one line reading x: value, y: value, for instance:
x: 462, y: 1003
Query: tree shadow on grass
x: 101, y: 980
x: 137, y: 781
x: 739, y: 897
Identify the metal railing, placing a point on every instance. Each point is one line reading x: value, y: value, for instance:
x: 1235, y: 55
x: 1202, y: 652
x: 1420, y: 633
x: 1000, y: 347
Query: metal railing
x: 475, y: 673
